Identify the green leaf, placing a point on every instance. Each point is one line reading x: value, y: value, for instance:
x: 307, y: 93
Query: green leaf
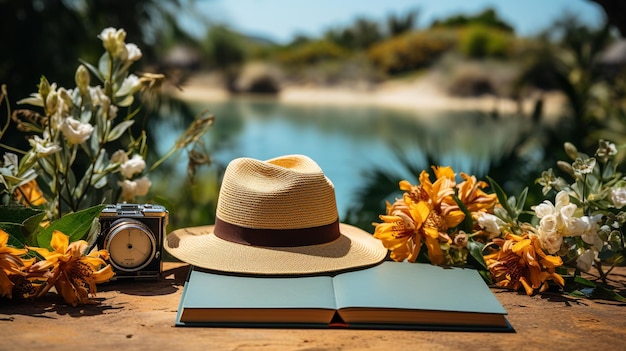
x: 104, y: 66
x: 609, y: 170
x: 31, y: 226
x: 502, y: 197
x: 118, y: 130
x: 75, y: 225
x: 522, y: 200
x: 16, y: 238
x: 17, y: 214
x: 486, y: 276
x: 584, y: 282
x: 581, y: 287
x: 93, y: 70
x: 476, y: 253
x: 47, y: 166
x: 126, y: 101
x: 606, y: 254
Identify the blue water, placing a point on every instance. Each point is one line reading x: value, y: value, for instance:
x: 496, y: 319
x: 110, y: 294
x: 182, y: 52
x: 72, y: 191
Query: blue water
x: 346, y: 141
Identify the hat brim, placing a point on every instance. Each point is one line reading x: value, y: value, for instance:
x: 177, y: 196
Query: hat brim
x: 199, y: 247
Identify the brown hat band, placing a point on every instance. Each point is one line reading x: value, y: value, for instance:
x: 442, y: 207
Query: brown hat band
x: 276, y: 237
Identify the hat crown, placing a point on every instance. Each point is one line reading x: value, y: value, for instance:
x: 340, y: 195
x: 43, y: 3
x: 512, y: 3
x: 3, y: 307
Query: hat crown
x: 289, y: 192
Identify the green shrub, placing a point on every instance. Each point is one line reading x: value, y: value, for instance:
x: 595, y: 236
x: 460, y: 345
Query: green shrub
x: 477, y: 41
x: 410, y: 51
x: 311, y: 52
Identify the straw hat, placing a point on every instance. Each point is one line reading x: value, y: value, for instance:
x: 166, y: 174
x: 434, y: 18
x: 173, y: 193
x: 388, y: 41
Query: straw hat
x: 276, y: 217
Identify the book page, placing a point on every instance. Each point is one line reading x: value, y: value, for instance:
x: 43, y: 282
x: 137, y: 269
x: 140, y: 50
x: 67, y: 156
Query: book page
x: 395, y: 292
x: 210, y: 297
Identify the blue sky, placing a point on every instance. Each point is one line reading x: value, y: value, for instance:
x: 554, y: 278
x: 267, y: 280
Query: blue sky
x: 281, y: 20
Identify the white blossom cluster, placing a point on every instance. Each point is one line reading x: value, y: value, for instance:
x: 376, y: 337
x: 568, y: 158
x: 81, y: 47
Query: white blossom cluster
x: 79, y: 123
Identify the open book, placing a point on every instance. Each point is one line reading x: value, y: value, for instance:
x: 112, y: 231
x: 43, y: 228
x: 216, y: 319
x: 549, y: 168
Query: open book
x: 391, y: 295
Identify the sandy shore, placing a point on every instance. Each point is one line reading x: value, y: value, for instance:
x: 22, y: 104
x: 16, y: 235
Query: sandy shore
x: 417, y: 94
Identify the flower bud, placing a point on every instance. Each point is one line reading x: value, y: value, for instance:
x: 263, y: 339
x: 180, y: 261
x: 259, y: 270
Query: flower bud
x: 82, y: 79
x: 571, y: 150
x: 52, y: 102
x: 66, y: 98
x: 44, y: 88
x: 565, y: 167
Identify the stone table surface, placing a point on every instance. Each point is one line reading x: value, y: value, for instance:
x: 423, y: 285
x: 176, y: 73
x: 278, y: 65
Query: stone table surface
x: 140, y: 316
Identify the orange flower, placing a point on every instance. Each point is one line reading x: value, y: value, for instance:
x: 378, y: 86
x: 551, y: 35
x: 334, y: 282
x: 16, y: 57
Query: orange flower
x: 73, y: 274
x: 440, y: 194
x: 406, y: 226
x: 10, y: 264
x: 29, y: 194
x: 472, y: 195
x: 522, y: 263
x: 416, y: 219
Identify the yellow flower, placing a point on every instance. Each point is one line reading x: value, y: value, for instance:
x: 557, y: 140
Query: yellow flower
x: 405, y: 226
x: 522, y: 263
x: 10, y: 264
x: 73, y: 274
x: 472, y: 195
x: 440, y: 193
x: 29, y: 194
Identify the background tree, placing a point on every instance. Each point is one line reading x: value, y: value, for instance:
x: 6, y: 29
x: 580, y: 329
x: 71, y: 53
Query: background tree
x: 616, y: 13
x: 398, y: 24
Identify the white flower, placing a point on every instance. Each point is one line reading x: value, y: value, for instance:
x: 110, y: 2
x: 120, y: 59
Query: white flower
x: 119, y: 156
x: 132, y: 166
x: 561, y: 217
x: 490, y: 223
x: 113, y: 40
x: 134, y: 53
x: 113, y: 111
x: 576, y: 227
x: 549, y: 223
x: 98, y: 97
x: 76, y: 132
x: 143, y: 185
x: 618, y: 196
x: 129, y: 86
x: 43, y: 146
x: 590, y: 236
x: 585, y: 260
x: 550, y: 238
x: 128, y: 189
x: 11, y: 162
x: 132, y: 188
x: 583, y: 226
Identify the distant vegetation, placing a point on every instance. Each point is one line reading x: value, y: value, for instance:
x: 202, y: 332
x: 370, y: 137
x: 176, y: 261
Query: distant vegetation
x: 379, y: 49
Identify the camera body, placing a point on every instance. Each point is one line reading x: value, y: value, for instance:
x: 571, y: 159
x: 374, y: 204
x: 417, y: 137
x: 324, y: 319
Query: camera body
x: 133, y: 235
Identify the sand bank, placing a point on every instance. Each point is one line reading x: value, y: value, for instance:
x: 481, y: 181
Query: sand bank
x: 417, y: 94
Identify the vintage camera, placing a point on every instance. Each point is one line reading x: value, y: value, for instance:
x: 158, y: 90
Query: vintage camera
x: 133, y: 236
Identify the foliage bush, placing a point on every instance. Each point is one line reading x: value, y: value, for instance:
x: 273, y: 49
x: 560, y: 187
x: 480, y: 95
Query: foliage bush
x: 311, y: 52
x: 411, y: 51
x: 224, y: 48
x: 477, y: 41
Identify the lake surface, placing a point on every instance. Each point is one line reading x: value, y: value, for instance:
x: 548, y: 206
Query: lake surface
x: 347, y: 141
